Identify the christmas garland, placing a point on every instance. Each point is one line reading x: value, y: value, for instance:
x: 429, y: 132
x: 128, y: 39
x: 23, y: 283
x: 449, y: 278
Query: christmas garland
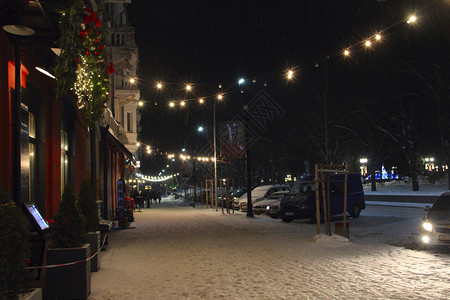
x: 82, y: 66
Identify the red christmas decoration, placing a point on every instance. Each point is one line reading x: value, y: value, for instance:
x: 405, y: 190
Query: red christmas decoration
x: 92, y: 17
x: 82, y: 34
x: 110, y: 69
x: 101, y: 47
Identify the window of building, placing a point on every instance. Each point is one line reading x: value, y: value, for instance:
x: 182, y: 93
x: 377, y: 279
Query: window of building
x: 33, y: 152
x: 112, y: 39
x: 128, y: 122
x: 64, y: 159
x: 32, y: 125
x: 122, y: 116
x: 123, y: 39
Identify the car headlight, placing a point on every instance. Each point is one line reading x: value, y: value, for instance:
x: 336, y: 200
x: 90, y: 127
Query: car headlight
x: 425, y: 239
x: 427, y: 226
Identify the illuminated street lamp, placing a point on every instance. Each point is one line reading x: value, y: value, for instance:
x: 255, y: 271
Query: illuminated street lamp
x: 363, y: 167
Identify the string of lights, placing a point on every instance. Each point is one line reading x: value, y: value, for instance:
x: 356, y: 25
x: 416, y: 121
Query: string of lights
x: 288, y: 74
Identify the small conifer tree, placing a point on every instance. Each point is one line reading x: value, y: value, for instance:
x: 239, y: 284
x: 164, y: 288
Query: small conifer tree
x: 88, y: 206
x: 14, y: 249
x: 69, y: 224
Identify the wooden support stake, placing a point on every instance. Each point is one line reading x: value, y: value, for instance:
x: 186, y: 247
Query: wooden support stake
x: 317, y: 197
x: 345, y: 198
x: 211, y: 190
x: 324, y: 200
x: 206, y: 192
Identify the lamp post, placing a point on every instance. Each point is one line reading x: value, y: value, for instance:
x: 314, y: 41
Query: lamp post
x: 219, y: 97
x: 17, y: 32
x: 215, y: 153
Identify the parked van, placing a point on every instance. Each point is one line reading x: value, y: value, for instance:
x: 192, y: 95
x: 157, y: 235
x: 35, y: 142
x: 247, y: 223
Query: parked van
x: 258, y: 193
x: 300, y: 202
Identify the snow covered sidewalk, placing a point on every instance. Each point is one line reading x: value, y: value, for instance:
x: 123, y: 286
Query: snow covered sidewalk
x: 178, y: 252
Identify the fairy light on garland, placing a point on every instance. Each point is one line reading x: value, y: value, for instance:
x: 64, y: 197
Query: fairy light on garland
x: 83, y: 86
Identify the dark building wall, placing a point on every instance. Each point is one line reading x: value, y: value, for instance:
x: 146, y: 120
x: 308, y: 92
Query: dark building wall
x: 6, y: 54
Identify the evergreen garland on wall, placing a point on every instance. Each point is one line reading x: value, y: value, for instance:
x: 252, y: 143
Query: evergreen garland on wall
x: 82, y: 66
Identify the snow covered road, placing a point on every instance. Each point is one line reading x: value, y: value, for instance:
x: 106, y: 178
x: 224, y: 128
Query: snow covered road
x: 177, y: 252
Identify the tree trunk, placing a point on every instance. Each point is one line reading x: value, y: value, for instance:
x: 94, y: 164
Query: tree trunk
x: 93, y: 159
x: 415, y: 181
x: 413, y: 168
x: 373, y: 181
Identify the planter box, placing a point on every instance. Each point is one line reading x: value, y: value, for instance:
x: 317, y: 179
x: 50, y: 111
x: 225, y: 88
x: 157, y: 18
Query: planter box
x: 68, y: 282
x: 93, y: 239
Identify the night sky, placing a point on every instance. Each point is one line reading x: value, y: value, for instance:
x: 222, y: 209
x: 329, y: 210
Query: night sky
x: 210, y: 42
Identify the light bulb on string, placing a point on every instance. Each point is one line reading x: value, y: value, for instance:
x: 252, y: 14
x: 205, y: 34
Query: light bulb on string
x: 290, y: 74
x: 411, y: 19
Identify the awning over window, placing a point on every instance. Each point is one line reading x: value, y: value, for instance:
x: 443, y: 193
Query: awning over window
x: 119, y: 145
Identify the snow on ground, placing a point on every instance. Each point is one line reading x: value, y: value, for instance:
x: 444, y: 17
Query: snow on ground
x: 400, y: 187
x: 177, y: 252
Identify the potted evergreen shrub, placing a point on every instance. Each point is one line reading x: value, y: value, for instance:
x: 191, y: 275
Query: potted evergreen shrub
x: 89, y: 209
x: 15, y: 279
x: 71, y: 279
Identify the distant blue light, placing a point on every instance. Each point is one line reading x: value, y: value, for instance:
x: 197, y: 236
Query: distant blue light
x: 241, y: 81
x: 200, y: 129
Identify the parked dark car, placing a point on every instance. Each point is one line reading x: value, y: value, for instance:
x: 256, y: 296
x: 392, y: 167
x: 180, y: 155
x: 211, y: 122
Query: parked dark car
x: 300, y: 202
x: 435, y: 228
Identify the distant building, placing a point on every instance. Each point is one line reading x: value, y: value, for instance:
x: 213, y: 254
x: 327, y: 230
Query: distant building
x: 122, y: 117
x: 125, y: 95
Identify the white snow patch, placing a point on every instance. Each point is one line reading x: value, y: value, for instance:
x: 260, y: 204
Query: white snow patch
x: 333, y: 240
